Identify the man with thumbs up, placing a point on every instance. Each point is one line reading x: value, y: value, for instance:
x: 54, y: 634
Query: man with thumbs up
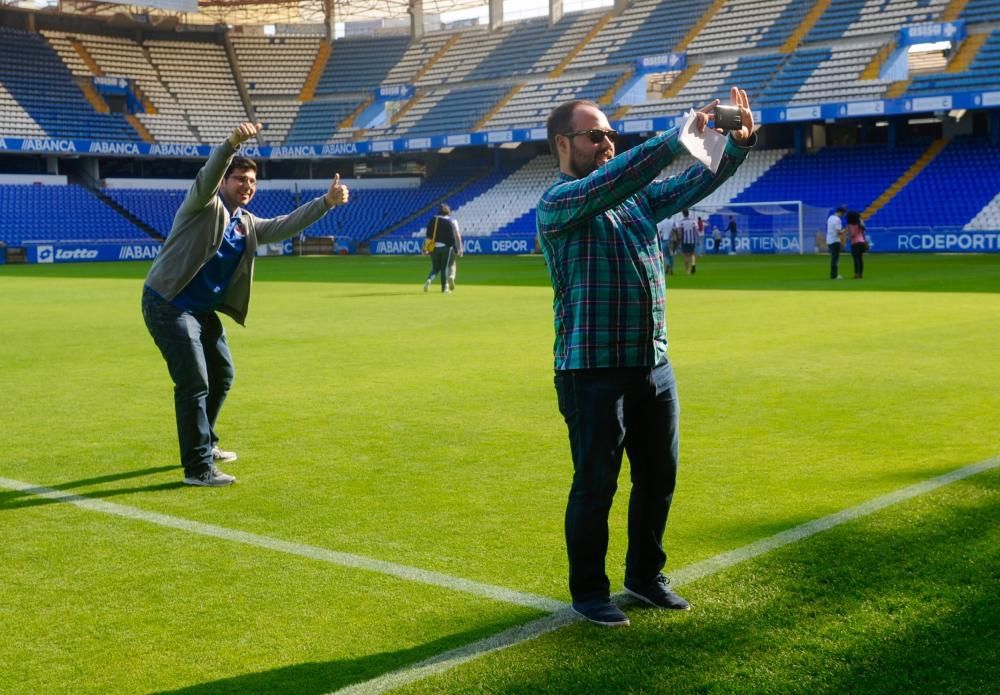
x: 206, y: 266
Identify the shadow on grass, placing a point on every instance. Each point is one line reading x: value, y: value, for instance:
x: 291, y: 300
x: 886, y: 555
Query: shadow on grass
x: 315, y: 678
x: 20, y: 499
x: 904, y: 601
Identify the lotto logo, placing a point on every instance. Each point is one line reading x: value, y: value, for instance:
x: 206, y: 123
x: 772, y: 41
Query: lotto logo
x: 46, y: 254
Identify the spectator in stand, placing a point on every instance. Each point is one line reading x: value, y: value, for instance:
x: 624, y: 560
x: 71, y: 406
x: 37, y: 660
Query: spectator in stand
x: 443, y: 230
x: 206, y: 266
x: 834, y: 227
x: 859, y: 242
x: 731, y: 227
x: 614, y: 383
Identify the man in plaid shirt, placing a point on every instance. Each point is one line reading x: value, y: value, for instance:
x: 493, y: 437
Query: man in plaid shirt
x: 615, y: 386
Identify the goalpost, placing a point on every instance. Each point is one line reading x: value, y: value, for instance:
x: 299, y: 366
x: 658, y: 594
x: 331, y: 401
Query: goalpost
x: 771, y: 227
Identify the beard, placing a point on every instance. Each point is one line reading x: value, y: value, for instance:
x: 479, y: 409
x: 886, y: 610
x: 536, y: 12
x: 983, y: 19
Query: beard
x: 583, y: 164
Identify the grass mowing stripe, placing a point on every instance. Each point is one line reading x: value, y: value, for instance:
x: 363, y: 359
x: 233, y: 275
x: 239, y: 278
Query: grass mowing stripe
x: 523, y: 633
x: 725, y: 560
x: 413, y: 574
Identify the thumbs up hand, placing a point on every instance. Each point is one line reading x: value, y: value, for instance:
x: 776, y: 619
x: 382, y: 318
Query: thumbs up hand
x: 243, y: 132
x: 338, y: 193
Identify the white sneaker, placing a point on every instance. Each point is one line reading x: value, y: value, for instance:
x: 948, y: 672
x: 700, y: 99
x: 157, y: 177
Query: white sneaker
x: 427, y: 285
x: 451, y: 284
x: 213, y: 477
x: 224, y: 456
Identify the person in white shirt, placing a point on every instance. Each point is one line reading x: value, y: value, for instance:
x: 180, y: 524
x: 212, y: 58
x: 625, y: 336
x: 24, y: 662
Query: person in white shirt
x: 833, y: 231
x: 665, y: 231
x: 689, y: 242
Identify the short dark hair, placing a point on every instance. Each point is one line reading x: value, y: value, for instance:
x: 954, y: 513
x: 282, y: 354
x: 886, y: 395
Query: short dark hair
x: 559, y: 120
x: 841, y: 209
x: 241, y: 163
x: 853, y: 217
x: 443, y: 209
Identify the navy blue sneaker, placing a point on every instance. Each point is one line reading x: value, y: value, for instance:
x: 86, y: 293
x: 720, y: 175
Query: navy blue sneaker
x: 601, y: 612
x: 658, y: 594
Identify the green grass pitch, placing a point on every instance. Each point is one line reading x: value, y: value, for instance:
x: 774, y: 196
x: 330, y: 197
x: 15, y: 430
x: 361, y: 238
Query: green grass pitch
x: 422, y: 430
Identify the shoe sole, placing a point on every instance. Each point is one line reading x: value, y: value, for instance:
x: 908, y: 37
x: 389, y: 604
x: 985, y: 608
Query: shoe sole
x: 635, y: 594
x: 624, y: 623
x: 194, y: 482
x: 224, y: 459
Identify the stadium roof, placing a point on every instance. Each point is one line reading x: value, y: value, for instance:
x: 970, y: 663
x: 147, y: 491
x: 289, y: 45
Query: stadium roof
x: 344, y: 10
x: 264, y: 11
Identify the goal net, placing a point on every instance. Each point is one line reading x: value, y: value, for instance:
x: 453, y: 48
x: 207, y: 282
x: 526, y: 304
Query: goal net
x: 787, y: 227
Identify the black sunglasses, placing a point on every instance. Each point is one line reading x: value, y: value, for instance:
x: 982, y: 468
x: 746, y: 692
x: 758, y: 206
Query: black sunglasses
x: 596, y: 135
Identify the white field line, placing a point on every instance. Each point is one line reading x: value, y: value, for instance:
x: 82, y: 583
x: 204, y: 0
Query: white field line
x: 460, y: 655
x: 559, y: 613
x: 413, y: 574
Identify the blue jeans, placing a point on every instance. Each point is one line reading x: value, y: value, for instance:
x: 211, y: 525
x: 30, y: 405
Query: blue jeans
x: 608, y: 412
x: 201, y: 367
x: 440, y: 259
x: 668, y: 257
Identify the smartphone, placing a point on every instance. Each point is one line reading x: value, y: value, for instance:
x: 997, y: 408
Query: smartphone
x: 728, y: 118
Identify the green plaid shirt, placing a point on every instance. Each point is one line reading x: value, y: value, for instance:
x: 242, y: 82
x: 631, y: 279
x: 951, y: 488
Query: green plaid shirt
x: 598, y: 235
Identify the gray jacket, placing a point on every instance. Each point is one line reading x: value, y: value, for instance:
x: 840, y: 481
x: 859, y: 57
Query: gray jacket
x: 197, y: 233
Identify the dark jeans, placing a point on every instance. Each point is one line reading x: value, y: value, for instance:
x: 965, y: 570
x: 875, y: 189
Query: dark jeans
x: 201, y: 366
x: 858, y: 254
x: 834, y: 259
x: 440, y: 258
x: 608, y: 412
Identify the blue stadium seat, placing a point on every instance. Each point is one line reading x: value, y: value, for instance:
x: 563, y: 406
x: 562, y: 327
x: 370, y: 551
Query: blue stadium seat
x: 44, y: 87
x: 60, y: 213
x: 950, y: 191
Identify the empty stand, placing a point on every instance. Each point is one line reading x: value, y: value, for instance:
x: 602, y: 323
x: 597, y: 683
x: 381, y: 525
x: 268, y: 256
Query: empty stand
x: 854, y: 176
x: 950, y: 191
x: 981, y: 11
x: 846, y: 19
x: 275, y: 69
x: 275, y: 65
x: 201, y: 79
x: 16, y: 121
x: 443, y: 110
x: 155, y: 207
x: 713, y: 81
x: 749, y: 172
x: 374, y: 211
x: 29, y: 214
x: 317, y: 121
x: 33, y: 74
x: 646, y: 27
x: 418, y: 55
x: 747, y: 24
x: 165, y: 118
x: 988, y: 218
x: 509, y: 199
x: 531, y: 47
x: 532, y: 104
x: 837, y: 77
x: 982, y: 73
x: 359, y: 65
